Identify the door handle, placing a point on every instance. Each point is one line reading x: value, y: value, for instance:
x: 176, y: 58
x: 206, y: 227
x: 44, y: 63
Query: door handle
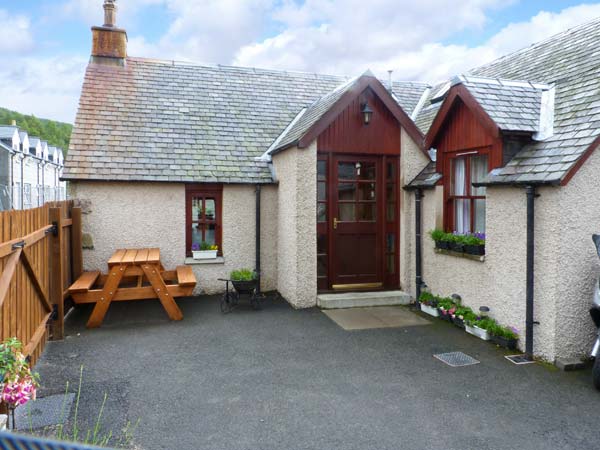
x: 335, y: 222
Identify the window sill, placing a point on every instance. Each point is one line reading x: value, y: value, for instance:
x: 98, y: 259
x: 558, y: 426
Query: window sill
x: 192, y: 262
x: 478, y: 258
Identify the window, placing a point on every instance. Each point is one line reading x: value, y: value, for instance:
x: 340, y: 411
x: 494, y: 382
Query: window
x: 465, y: 212
x: 203, y: 215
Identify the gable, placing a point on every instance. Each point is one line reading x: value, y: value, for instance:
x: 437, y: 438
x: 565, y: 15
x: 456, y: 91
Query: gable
x: 347, y: 133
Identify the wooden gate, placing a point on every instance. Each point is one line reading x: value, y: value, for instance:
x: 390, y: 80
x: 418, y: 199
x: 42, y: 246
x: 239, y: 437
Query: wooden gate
x: 40, y: 255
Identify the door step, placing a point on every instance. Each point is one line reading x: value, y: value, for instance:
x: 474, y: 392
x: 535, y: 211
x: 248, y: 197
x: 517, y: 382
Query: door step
x: 362, y: 299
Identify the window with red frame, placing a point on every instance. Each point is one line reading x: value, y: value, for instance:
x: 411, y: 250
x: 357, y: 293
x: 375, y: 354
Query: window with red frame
x: 203, y: 216
x: 465, y: 212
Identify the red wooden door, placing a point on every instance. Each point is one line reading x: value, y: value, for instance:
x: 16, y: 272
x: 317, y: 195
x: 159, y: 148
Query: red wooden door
x: 357, y: 214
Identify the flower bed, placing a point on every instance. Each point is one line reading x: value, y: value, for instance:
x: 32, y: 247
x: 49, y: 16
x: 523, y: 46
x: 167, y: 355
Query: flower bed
x: 483, y: 327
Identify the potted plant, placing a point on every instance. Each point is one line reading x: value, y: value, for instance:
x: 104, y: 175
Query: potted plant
x: 18, y: 384
x: 474, y: 244
x: 428, y: 303
x: 457, y: 242
x: 243, y: 280
x: 479, y: 327
x: 204, y: 250
x: 446, y: 308
x: 461, y: 314
x: 506, y: 337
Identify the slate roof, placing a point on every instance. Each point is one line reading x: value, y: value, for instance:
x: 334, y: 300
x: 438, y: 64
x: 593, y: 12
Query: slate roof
x: 167, y: 121
x: 7, y: 131
x: 571, y: 62
x: 512, y: 105
x: 427, y: 178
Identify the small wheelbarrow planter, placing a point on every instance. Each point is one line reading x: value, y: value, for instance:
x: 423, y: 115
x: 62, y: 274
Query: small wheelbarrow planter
x: 231, y: 297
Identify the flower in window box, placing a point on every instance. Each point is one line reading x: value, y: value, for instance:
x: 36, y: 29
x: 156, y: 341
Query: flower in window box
x: 204, y: 250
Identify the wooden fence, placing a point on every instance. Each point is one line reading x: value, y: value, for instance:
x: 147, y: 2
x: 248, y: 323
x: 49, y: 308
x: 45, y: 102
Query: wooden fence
x: 40, y: 255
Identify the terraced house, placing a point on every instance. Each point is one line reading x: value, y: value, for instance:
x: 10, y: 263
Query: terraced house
x: 328, y: 184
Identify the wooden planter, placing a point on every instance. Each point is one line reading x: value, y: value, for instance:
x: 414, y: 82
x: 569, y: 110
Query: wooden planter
x: 429, y: 310
x: 478, y: 332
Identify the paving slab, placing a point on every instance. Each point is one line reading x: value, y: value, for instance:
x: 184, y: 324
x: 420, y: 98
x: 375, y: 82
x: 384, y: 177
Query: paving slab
x: 375, y: 317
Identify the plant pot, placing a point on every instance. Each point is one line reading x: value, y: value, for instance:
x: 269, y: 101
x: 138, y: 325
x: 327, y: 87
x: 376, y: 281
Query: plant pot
x: 444, y: 245
x: 204, y: 254
x: 456, y: 247
x: 429, y: 310
x: 244, y: 287
x: 511, y: 344
x: 478, y: 332
x: 478, y: 250
x: 458, y: 322
x: 444, y: 315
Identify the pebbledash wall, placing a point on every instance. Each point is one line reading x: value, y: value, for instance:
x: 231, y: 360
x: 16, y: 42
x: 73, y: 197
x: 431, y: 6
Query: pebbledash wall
x: 566, y: 264
x: 136, y: 214
x: 296, y: 173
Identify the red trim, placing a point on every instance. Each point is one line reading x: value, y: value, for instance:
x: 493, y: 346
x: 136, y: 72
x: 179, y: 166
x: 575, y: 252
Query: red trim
x: 573, y: 170
x: 209, y: 190
x: 356, y: 90
x: 459, y: 92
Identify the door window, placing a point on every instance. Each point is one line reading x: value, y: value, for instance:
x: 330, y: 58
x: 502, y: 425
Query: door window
x: 357, y: 191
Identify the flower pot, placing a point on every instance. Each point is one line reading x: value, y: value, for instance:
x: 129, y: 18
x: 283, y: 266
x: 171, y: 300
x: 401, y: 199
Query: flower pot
x: 456, y: 247
x: 429, y: 310
x: 504, y: 342
x: 479, y: 332
x: 478, y: 250
x: 444, y: 245
x: 204, y: 254
x: 458, y: 322
x: 444, y: 315
x: 244, y: 287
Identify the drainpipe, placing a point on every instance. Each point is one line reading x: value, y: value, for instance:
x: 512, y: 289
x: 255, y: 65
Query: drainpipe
x: 22, y: 180
x: 12, y: 181
x: 257, y: 263
x: 529, y: 322
x: 418, y: 245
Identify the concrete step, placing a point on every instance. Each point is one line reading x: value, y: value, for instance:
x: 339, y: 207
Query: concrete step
x: 362, y: 299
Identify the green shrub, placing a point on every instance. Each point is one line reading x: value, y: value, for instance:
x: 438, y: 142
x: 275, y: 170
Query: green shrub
x: 242, y: 275
x: 504, y: 332
x: 484, y: 323
x: 437, y: 234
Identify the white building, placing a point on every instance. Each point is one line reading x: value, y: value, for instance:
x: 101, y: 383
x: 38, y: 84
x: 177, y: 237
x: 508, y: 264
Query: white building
x: 30, y: 170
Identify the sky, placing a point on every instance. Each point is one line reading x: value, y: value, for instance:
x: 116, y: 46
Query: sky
x: 45, y: 44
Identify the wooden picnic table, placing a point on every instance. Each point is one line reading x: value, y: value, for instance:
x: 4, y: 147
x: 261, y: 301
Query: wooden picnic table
x: 133, y: 274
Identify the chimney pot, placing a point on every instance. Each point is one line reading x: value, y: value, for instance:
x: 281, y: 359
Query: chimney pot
x: 110, y: 13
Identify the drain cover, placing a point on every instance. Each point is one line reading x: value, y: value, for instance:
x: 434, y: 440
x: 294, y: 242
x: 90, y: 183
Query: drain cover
x: 44, y: 411
x: 456, y: 359
x: 519, y: 359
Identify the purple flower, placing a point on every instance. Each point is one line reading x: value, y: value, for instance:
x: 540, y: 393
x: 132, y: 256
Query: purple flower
x: 195, y: 246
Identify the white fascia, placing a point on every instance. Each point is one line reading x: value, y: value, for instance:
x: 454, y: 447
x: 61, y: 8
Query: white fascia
x: 546, y: 127
x: 266, y: 156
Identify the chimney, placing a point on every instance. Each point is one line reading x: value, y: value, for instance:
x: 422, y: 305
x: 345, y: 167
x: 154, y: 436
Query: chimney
x: 109, y: 43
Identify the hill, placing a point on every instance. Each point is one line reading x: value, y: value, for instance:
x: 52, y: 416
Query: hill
x: 57, y: 134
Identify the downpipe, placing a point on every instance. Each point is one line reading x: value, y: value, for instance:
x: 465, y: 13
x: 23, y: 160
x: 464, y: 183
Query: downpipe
x: 529, y: 321
x: 257, y: 246
x: 418, y: 243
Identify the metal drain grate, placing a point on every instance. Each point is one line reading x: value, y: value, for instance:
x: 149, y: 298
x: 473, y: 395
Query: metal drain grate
x: 456, y: 359
x: 519, y: 359
x: 44, y: 411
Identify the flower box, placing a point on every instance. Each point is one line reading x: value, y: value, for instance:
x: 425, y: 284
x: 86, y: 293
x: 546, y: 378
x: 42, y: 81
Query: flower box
x: 444, y: 315
x: 204, y: 254
x: 429, y: 310
x: 478, y: 332
x: 511, y: 344
x: 443, y: 245
x: 478, y: 250
x: 457, y: 247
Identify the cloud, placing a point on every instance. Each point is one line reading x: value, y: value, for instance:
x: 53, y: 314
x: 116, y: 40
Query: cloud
x: 46, y: 87
x: 15, y: 34
x: 334, y: 37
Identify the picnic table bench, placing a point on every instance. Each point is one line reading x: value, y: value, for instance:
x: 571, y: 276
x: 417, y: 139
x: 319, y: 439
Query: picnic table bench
x: 133, y: 274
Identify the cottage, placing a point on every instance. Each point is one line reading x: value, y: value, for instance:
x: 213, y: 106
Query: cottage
x: 326, y: 184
